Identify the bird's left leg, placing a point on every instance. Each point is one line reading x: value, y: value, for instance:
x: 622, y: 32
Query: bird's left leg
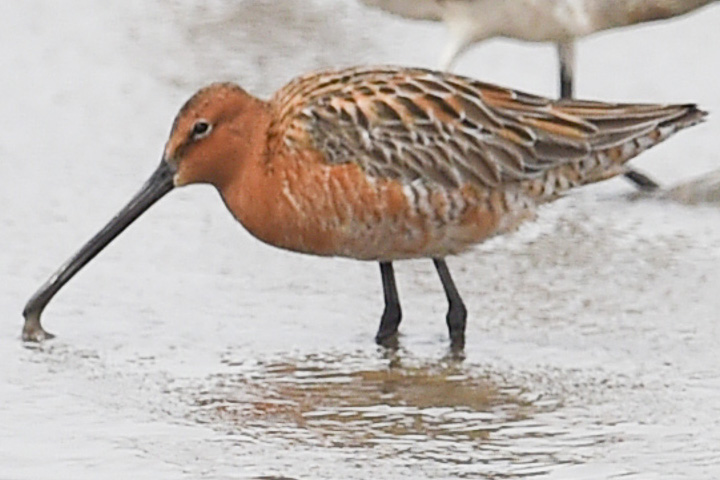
x: 457, y: 313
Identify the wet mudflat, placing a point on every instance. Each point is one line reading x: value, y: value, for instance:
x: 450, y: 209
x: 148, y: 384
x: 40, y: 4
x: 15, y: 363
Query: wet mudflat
x: 190, y: 350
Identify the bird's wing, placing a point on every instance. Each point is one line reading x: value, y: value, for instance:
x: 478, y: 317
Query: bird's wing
x: 414, y: 124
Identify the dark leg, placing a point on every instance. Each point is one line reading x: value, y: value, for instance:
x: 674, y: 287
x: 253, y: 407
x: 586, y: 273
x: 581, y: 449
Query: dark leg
x: 642, y: 181
x: 566, y: 55
x: 387, y: 333
x: 457, y: 313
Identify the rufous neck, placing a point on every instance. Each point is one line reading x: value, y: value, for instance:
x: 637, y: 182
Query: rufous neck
x: 247, y: 147
x: 241, y: 182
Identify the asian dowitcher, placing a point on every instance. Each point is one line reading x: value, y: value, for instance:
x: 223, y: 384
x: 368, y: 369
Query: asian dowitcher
x: 384, y: 164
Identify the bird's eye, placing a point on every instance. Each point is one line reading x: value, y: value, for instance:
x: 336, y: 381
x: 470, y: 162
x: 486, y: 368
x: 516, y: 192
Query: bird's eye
x: 201, y: 128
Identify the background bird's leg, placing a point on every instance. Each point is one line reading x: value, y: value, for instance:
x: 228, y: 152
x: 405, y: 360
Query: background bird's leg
x: 460, y: 38
x: 387, y: 333
x: 450, y: 54
x: 642, y: 181
x: 457, y: 313
x: 566, y: 56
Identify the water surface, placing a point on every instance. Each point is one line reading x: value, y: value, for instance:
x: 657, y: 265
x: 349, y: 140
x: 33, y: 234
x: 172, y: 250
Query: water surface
x: 190, y: 350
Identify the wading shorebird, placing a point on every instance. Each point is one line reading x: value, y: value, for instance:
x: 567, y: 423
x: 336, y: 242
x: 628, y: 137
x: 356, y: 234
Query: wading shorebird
x: 557, y: 21
x: 385, y: 164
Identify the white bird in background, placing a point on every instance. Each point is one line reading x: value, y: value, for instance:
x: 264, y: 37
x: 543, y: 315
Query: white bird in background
x: 558, y: 21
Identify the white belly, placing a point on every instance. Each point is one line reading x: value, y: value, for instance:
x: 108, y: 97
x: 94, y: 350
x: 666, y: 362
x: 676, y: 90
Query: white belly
x: 530, y: 20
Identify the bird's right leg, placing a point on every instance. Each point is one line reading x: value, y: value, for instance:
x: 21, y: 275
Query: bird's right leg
x: 387, y: 333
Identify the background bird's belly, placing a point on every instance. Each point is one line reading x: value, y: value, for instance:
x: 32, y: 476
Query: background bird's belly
x: 535, y: 20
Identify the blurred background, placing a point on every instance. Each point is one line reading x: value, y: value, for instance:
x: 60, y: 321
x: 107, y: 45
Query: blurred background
x: 190, y: 350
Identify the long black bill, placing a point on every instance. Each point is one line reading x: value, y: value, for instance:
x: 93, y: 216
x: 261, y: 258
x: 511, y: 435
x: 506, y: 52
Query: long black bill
x: 159, y: 183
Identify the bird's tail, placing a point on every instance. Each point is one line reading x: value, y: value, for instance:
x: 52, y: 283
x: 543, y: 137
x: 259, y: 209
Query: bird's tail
x: 623, y: 131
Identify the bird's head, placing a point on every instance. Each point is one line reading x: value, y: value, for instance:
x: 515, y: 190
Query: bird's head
x: 210, y: 135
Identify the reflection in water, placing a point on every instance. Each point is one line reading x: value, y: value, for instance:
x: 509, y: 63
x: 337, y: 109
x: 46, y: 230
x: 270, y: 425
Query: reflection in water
x: 445, y: 412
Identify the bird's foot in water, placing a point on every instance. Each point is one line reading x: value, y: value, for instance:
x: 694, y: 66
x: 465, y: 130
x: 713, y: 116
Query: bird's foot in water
x: 388, y: 340
x: 34, y: 332
x: 457, y: 345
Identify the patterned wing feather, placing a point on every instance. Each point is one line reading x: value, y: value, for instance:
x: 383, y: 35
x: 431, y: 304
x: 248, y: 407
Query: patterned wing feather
x: 419, y: 125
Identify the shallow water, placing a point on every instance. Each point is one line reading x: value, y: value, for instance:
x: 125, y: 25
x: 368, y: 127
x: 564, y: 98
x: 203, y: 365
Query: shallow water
x: 190, y: 350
